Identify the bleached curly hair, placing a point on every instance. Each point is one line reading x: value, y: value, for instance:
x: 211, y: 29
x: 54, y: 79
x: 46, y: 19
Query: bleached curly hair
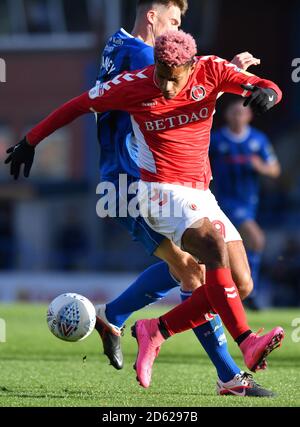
x: 175, y: 48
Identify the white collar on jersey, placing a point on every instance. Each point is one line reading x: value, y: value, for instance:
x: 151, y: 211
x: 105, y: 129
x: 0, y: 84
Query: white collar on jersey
x: 237, y: 138
x: 126, y: 34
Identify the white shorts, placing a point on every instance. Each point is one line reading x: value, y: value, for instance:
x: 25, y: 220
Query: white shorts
x: 171, y: 209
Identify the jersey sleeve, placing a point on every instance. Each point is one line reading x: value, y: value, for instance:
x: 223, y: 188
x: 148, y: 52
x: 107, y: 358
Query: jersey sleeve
x: 230, y: 78
x: 114, y: 95
x: 266, y: 151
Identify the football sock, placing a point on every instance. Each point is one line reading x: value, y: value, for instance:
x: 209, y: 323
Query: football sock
x: 213, y: 339
x: 224, y: 298
x: 151, y: 286
x: 220, y: 295
x: 187, y: 315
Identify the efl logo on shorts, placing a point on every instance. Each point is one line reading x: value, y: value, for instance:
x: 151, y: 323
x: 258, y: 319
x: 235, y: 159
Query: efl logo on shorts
x: 2, y: 71
x: 198, y: 93
x: 2, y: 331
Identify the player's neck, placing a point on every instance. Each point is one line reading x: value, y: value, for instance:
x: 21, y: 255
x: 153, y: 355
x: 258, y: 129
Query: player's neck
x: 238, y: 130
x: 142, y: 31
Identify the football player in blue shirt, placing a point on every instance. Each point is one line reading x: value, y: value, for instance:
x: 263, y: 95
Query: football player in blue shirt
x: 119, y: 155
x: 240, y: 154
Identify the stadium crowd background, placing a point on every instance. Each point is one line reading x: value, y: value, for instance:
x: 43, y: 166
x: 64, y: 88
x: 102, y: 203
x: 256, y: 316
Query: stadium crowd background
x: 48, y: 224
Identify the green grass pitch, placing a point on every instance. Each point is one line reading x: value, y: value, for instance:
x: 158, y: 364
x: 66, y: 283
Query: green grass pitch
x: 36, y: 369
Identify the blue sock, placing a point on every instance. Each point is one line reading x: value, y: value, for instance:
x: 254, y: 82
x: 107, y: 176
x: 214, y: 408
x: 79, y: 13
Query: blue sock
x: 151, y: 286
x: 212, y: 337
x: 254, y: 259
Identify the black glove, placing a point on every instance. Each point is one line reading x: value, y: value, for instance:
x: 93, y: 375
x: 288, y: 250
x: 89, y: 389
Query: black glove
x: 19, y: 154
x: 261, y: 100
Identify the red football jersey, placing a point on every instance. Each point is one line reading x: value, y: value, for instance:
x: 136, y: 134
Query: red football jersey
x: 173, y: 135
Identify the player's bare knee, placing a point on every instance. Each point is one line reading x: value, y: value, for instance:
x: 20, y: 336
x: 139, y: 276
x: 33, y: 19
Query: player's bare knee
x: 215, y: 247
x: 195, y: 275
x: 189, y: 271
x: 207, y: 245
x: 245, y: 286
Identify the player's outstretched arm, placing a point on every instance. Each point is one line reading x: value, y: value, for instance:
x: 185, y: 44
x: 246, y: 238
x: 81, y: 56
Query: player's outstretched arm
x: 104, y: 97
x: 89, y: 102
x: 23, y: 152
x: 261, y: 94
x: 269, y: 169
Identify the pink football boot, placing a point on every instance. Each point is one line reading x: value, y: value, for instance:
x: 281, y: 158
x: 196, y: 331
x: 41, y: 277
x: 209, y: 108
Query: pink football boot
x: 255, y: 348
x: 149, y: 340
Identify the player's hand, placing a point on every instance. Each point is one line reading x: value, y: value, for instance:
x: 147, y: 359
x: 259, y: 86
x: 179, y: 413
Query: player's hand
x: 261, y: 100
x: 245, y: 60
x: 22, y: 153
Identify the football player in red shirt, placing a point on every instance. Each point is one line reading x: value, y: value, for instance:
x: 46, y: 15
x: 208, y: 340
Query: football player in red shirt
x: 172, y: 105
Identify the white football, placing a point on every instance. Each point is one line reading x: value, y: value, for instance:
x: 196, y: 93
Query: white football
x: 71, y: 317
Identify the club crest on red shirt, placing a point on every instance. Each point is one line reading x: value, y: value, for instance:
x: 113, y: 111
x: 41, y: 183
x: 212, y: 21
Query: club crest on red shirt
x: 198, y: 93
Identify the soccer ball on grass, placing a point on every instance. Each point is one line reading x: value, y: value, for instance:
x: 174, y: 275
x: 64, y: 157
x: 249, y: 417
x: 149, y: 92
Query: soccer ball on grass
x: 71, y: 317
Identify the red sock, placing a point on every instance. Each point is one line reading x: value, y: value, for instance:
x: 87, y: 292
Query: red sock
x: 225, y: 300
x: 189, y: 314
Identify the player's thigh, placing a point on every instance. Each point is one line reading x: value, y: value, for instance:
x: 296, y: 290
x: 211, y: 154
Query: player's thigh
x: 240, y: 268
x: 253, y: 236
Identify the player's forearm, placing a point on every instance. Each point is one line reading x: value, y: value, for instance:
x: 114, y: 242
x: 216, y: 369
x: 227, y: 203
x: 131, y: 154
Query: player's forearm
x: 265, y: 84
x: 234, y: 81
x: 59, y: 118
x: 269, y: 169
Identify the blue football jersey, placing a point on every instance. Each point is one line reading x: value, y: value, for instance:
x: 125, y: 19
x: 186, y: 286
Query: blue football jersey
x: 234, y: 178
x: 123, y: 52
